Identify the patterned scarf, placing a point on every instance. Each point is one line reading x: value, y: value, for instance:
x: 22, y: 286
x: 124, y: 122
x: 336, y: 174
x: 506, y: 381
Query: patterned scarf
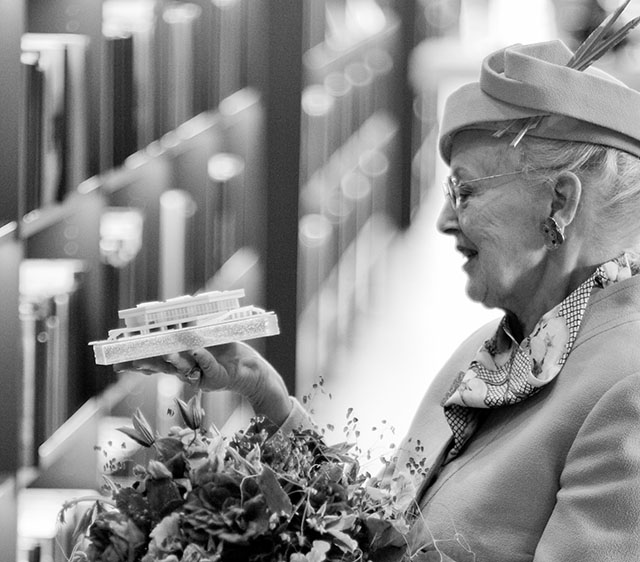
x: 504, y: 372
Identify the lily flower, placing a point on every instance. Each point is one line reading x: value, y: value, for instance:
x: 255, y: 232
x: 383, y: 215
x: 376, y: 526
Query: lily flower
x: 192, y: 412
x: 141, y: 431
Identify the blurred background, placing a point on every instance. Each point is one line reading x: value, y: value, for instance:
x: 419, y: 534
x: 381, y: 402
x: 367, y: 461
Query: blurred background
x: 154, y: 148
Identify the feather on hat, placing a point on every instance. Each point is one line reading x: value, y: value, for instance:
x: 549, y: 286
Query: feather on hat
x: 545, y: 90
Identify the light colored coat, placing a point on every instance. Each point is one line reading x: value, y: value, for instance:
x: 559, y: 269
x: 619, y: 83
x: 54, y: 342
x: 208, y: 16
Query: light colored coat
x: 555, y: 478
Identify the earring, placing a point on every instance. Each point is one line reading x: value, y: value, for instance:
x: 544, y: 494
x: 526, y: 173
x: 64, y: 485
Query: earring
x: 553, y: 234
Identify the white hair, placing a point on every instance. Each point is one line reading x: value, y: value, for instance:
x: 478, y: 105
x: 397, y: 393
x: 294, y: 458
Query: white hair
x: 611, y: 178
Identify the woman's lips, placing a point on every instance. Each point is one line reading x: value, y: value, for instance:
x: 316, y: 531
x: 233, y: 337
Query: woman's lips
x: 467, y: 252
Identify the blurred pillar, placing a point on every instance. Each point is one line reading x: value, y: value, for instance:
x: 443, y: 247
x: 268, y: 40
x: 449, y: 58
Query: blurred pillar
x: 283, y: 87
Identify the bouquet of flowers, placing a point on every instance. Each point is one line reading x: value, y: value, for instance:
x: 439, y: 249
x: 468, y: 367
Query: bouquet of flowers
x: 256, y: 496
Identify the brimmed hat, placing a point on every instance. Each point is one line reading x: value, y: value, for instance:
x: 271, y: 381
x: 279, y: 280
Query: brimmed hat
x: 524, y: 81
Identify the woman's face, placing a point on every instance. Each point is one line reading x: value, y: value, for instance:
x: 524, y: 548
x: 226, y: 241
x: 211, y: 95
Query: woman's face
x: 497, y: 225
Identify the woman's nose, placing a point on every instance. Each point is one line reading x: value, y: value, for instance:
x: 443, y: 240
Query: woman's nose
x: 447, y: 222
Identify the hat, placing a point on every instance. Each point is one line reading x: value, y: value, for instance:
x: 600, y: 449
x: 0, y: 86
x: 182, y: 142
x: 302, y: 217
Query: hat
x: 523, y: 81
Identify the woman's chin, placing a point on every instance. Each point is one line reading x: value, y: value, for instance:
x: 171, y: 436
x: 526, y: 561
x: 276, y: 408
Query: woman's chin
x: 473, y: 292
x: 477, y: 291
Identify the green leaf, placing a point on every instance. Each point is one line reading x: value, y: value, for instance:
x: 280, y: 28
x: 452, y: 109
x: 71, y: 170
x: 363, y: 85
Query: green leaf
x: 277, y: 499
x: 343, y: 541
x: 340, y: 522
x: 385, y: 533
x: 158, y: 471
x: 163, y: 496
x: 168, y: 447
x: 84, y: 523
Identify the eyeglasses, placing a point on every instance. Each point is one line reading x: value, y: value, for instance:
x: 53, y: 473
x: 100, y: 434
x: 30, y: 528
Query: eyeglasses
x: 453, y: 187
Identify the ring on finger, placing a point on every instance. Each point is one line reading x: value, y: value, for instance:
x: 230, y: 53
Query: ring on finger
x: 194, y: 374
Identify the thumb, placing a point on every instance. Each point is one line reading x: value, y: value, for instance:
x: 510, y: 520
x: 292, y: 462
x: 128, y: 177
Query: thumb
x: 214, y: 375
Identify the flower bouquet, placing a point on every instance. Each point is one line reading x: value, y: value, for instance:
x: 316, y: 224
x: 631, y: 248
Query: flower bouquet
x: 257, y: 496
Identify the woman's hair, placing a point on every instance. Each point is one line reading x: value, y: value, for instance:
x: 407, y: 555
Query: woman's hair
x: 613, y: 177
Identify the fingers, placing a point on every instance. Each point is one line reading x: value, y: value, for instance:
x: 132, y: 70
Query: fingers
x: 250, y: 375
x: 186, y: 368
x: 214, y: 375
x: 180, y: 364
x: 230, y: 366
x: 147, y: 366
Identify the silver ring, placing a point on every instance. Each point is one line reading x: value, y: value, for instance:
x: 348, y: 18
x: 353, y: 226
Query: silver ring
x: 194, y: 374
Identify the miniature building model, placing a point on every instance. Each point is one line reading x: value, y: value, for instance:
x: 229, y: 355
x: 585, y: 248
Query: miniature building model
x: 183, y: 323
x: 178, y: 312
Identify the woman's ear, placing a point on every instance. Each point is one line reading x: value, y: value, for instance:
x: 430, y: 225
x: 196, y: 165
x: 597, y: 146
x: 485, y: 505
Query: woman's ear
x: 567, y: 192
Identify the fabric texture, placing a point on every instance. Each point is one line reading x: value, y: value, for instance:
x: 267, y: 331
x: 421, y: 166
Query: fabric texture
x: 298, y: 418
x: 523, y: 81
x: 504, y: 372
x: 556, y: 476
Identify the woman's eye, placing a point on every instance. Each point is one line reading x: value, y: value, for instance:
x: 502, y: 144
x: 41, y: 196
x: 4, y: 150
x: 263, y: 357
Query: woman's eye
x: 464, y: 191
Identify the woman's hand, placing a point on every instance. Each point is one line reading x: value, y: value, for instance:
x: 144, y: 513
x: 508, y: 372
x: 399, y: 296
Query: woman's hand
x: 234, y: 366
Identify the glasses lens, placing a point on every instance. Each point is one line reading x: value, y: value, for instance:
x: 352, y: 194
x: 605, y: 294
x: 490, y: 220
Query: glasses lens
x: 450, y: 185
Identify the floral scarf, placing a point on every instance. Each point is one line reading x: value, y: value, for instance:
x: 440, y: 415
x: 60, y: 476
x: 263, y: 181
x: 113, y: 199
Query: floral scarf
x: 504, y: 372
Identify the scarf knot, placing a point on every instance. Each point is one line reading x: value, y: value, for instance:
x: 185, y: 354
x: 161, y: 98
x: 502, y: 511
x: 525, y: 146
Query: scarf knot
x: 506, y: 372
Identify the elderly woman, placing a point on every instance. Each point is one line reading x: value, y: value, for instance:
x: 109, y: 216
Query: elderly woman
x: 531, y: 431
